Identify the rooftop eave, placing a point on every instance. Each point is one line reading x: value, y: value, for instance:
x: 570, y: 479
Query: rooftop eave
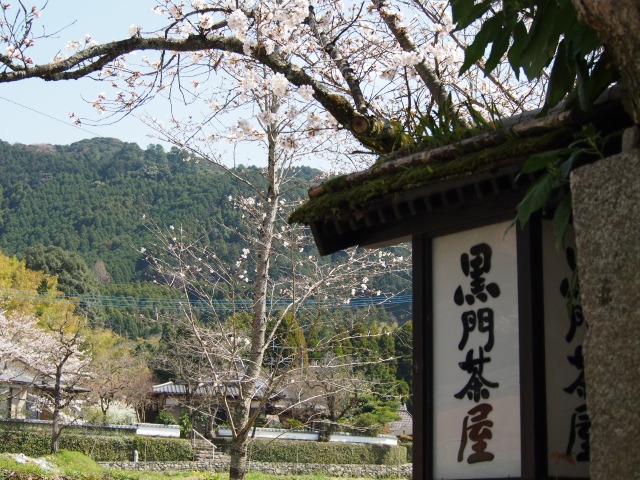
x: 394, y: 200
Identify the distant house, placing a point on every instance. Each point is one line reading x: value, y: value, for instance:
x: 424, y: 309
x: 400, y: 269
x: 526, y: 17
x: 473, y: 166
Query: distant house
x: 207, y: 397
x: 404, y: 426
x: 20, y: 389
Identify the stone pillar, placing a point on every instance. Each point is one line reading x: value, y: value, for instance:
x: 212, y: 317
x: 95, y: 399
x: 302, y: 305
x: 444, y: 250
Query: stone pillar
x: 606, y: 203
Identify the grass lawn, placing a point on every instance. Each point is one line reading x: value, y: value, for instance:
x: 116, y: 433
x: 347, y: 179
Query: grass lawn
x: 66, y: 465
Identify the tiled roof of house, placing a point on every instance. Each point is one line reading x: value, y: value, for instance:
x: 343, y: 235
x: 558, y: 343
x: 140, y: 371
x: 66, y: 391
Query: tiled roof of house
x: 206, y: 389
x: 27, y: 380
x: 404, y: 426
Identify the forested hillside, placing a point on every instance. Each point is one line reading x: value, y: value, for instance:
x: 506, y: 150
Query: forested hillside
x: 90, y: 198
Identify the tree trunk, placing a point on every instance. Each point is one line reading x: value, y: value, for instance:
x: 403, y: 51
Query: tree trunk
x: 242, y: 408
x: 55, y: 430
x: 606, y: 196
x: 57, y: 407
x: 617, y: 23
x: 238, y: 466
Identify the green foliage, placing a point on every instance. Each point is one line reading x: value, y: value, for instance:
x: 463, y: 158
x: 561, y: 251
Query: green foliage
x: 443, y: 127
x: 165, y: 418
x: 533, y: 34
x: 407, y: 442
x: 289, y: 451
x: 88, y: 199
x: 74, y: 277
x: 292, y: 423
x: 185, y: 424
x: 557, y: 165
x: 99, y: 448
x: 75, y: 464
x: 372, y: 415
x: 403, y: 338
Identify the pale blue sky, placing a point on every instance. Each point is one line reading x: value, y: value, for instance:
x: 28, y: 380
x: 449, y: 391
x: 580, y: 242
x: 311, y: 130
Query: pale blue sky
x: 105, y: 21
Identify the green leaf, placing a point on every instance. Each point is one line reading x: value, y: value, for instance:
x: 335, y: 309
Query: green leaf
x: 561, y: 219
x: 510, y: 226
x: 562, y: 79
x: 583, y: 38
x: 582, y: 70
x: 515, y: 52
x: 567, y: 165
x: 603, y: 74
x: 465, y: 12
x: 536, y: 198
x: 588, y: 131
x: 490, y: 32
x: 542, y: 39
x: 498, y: 49
x: 540, y: 161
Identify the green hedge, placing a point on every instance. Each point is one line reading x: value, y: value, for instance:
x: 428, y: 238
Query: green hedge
x: 100, y: 448
x: 45, y: 427
x: 409, y: 447
x: 339, y: 453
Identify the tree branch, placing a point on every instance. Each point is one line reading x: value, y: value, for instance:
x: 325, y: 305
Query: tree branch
x: 379, y: 134
x: 428, y: 76
x: 343, y: 65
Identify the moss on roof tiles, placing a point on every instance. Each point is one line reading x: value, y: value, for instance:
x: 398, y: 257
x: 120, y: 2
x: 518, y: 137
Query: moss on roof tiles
x: 343, y: 199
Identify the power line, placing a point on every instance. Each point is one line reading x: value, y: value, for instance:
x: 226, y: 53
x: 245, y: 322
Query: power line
x: 136, y: 303
x: 51, y: 117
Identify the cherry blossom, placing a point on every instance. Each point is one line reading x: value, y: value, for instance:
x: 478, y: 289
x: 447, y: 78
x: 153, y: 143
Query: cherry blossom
x: 306, y: 92
x: 205, y: 21
x: 238, y: 22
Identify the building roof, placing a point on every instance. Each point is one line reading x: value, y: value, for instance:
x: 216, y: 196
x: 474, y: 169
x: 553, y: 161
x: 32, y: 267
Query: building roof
x: 400, y: 197
x: 206, y: 389
x: 404, y: 426
x: 27, y: 380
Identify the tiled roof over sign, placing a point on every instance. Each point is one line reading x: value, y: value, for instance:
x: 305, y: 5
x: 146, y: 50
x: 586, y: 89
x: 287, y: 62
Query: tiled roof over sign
x: 391, y: 199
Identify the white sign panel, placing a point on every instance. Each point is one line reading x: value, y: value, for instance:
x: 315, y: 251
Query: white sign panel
x: 476, y: 357
x: 564, y: 327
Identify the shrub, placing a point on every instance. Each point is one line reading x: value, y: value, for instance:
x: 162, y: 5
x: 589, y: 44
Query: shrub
x: 409, y: 446
x: 292, y: 423
x: 291, y: 451
x: 98, y: 447
x: 185, y: 424
x: 165, y: 418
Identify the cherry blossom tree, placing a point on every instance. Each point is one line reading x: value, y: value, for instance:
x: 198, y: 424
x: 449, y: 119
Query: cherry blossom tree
x: 53, y: 351
x: 253, y: 306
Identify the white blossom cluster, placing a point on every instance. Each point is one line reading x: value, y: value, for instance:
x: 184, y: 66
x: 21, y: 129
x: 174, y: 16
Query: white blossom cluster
x: 279, y: 84
x: 238, y: 23
x: 22, y: 340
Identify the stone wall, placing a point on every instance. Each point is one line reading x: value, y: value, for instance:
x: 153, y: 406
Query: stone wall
x: 368, y: 471
x: 606, y: 199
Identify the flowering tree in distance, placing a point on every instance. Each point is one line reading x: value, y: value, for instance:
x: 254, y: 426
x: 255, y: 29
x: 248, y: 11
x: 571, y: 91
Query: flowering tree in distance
x: 253, y: 305
x: 117, y: 374
x: 52, y: 350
